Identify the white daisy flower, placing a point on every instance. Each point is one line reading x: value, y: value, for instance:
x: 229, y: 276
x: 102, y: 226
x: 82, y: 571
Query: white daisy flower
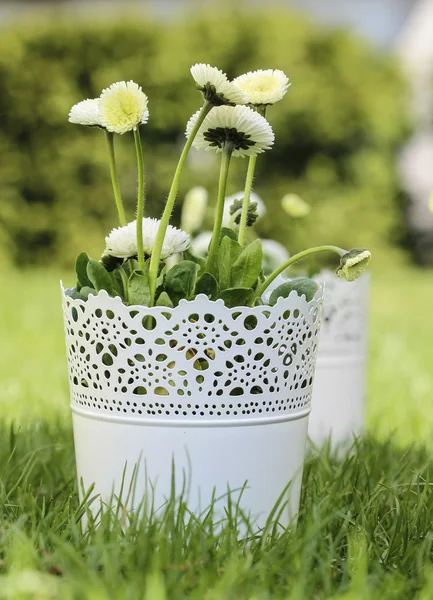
x: 123, y: 107
x: 215, y: 86
x: 194, y: 209
x: 227, y: 217
x: 85, y: 112
x: 263, y: 87
x: 122, y: 241
x: 243, y: 127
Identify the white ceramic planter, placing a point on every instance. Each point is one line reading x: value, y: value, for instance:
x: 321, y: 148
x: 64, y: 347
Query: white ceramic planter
x: 225, y: 393
x: 339, y: 385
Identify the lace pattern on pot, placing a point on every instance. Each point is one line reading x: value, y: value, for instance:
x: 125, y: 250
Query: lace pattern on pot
x: 344, y: 317
x: 199, y: 361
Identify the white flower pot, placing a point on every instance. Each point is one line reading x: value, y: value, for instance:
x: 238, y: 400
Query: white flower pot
x: 339, y: 385
x: 241, y: 418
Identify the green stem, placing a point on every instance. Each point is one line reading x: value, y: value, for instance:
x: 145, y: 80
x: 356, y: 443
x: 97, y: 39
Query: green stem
x: 165, y: 219
x: 114, y: 181
x: 246, y: 202
x: 293, y: 259
x: 124, y: 277
x: 248, y: 186
x: 214, y: 243
x: 140, y: 199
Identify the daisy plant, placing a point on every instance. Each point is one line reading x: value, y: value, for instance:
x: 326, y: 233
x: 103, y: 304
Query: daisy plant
x: 231, y: 122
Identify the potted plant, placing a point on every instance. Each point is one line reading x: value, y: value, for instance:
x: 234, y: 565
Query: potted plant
x: 188, y: 368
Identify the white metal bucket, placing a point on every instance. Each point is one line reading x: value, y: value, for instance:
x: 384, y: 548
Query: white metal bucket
x: 223, y: 394
x: 339, y: 386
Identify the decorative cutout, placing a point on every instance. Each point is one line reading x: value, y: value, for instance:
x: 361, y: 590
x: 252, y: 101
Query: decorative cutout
x: 344, y: 314
x: 200, y: 360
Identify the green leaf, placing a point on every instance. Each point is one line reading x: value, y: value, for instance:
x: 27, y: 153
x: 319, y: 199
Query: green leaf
x: 302, y: 286
x: 85, y: 291
x: 198, y: 260
x: 161, y: 273
x: 81, y: 271
x: 180, y: 280
x: 98, y: 276
x: 237, y: 297
x: 207, y: 284
x: 247, y: 268
x: 226, y: 231
x: 138, y: 288
x: 228, y: 252
x: 76, y: 296
x: 130, y: 265
x: 118, y: 283
x: 164, y: 300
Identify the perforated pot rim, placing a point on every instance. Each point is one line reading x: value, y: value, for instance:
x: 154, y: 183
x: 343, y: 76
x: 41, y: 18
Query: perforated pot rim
x: 199, y: 364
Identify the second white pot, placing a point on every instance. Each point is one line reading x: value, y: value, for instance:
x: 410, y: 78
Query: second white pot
x: 338, y: 404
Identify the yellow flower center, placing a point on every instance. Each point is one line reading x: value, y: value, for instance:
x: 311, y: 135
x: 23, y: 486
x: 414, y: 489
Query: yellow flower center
x: 122, y: 107
x: 259, y: 83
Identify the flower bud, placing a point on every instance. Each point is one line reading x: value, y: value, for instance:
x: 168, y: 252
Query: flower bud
x: 194, y: 209
x: 353, y: 263
x: 236, y: 211
x: 295, y: 206
x: 239, y: 197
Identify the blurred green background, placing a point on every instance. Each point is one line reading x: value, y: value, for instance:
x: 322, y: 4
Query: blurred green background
x: 337, y: 130
x: 338, y: 134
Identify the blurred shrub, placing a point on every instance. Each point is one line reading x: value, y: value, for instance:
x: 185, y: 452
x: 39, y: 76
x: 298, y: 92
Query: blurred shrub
x: 337, y: 130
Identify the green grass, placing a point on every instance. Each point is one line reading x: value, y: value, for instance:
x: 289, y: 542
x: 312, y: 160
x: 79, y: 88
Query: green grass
x: 364, y: 531
x: 400, y: 370
x: 365, y: 522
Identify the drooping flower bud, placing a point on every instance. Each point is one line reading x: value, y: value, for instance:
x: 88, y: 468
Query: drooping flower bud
x: 353, y: 263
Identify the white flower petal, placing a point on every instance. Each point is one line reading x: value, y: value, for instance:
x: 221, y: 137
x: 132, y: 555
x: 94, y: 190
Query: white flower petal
x: 225, y: 92
x: 123, y: 107
x: 249, y: 125
x: 85, y: 112
x: 263, y: 86
x: 122, y: 241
